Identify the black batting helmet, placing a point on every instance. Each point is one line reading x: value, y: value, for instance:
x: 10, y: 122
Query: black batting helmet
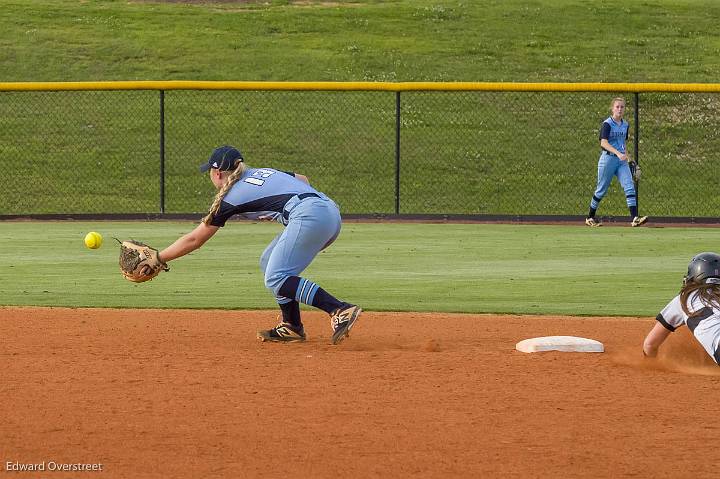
x: 702, y: 267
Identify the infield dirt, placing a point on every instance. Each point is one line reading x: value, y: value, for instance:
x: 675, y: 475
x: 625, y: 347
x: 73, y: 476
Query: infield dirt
x: 188, y: 393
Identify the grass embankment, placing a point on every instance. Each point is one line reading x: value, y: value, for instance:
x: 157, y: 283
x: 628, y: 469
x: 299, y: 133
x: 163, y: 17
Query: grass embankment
x: 532, y: 153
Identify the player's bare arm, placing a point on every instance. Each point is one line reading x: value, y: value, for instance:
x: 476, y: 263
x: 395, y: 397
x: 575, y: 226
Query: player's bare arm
x: 188, y: 242
x: 302, y: 178
x: 657, y: 335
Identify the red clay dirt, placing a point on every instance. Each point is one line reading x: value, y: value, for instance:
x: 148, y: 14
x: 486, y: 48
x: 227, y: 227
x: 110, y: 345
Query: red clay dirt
x: 184, y: 393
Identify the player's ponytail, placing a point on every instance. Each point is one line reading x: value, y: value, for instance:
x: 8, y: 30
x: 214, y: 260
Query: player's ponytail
x: 709, y: 294
x: 236, y: 174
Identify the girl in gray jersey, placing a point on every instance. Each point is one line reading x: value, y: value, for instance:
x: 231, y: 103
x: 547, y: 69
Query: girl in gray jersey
x: 697, y: 306
x: 312, y: 222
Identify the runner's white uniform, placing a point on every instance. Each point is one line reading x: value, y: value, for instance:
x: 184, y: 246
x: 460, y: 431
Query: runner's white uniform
x: 704, y: 322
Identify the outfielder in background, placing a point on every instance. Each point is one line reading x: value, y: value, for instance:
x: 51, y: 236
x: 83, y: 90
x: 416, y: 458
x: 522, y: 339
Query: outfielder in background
x: 312, y: 222
x: 614, y: 161
x: 697, y: 306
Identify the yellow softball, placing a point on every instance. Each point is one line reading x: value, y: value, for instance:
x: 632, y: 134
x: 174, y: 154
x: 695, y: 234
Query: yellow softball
x: 93, y: 240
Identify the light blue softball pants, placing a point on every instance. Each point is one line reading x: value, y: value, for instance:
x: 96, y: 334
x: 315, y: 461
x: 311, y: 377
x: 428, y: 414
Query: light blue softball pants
x: 313, y: 224
x: 609, y: 166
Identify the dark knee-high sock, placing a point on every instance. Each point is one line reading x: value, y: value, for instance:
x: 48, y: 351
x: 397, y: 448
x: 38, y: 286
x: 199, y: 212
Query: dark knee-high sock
x: 291, y: 313
x: 631, y: 198
x: 326, y: 301
x: 307, y: 292
x: 594, y: 205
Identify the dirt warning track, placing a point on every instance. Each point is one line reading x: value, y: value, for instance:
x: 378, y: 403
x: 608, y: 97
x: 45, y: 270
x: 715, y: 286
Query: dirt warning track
x: 184, y: 393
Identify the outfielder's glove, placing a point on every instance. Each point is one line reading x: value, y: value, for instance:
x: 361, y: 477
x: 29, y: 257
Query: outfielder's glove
x: 635, y: 170
x: 140, y: 262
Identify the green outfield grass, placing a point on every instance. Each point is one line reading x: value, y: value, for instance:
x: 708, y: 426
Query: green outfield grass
x: 391, y: 267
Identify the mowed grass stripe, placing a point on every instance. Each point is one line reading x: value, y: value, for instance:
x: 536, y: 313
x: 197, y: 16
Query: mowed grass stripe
x: 391, y: 267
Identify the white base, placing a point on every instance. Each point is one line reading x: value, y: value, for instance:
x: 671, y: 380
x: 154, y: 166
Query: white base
x: 560, y: 343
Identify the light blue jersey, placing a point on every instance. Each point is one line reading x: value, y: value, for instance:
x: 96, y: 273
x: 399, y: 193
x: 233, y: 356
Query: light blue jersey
x: 616, y: 134
x: 261, y: 192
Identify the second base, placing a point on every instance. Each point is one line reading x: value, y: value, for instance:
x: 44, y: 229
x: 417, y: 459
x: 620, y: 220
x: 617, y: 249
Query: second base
x: 560, y: 343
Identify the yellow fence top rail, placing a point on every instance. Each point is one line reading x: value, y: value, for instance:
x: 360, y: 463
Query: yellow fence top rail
x: 360, y: 86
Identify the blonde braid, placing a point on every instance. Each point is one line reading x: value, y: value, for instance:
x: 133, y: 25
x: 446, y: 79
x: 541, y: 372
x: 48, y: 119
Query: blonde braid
x: 240, y: 168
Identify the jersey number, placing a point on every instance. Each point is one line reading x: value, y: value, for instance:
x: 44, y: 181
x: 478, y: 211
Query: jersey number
x: 258, y: 177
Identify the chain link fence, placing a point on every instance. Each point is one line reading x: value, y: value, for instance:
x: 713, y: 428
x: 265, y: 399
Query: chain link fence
x: 514, y: 153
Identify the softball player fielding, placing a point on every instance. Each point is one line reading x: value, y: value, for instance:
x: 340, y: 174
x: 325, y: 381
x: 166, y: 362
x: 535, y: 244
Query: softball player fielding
x: 614, y: 162
x: 312, y: 222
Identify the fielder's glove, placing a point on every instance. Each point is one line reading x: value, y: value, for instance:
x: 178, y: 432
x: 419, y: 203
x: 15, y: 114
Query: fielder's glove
x: 635, y: 170
x: 140, y: 262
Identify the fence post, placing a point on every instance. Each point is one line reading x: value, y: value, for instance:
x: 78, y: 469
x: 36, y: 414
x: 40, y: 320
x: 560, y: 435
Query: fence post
x: 397, y: 152
x: 636, y: 148
x: 162, y: 151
